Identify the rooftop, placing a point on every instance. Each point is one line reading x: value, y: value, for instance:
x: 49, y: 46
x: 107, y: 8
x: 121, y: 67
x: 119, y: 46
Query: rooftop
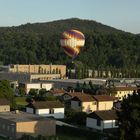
x: 4, y: 101
x: 125, y: 88
x: 84, y: 98
x: 73, y: 94
x: 46, y: 104
x: 104, y: 115
x: 21, y: 116
x: 104, y: 98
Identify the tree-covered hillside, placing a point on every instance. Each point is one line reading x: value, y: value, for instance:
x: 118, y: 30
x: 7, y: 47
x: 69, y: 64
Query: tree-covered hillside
x: 39, y: 43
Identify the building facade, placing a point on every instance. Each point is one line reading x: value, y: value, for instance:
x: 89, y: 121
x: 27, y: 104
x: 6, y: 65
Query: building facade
x: 38, y: 86
x: 124, y: 91
x: 46, y: 108
x: 102, y: 120
x: 4, y: 105
x: 42, y: 69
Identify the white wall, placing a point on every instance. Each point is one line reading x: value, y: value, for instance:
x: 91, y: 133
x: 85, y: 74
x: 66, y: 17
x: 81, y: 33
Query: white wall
x: 47, y: 86
x: 32, y: 86
x: 58, y: 112
x: 39, y: 86
x: 106, y: 124
x: 42, y: 111
x: 29, y: 110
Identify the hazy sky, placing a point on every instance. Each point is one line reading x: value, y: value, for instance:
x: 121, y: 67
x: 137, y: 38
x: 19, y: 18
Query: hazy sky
x: 121, y: 14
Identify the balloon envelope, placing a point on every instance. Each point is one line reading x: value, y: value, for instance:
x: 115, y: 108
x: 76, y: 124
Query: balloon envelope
x: 72, y: 41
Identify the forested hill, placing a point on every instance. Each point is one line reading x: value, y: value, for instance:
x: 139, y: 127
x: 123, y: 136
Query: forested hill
x: 39, y: 43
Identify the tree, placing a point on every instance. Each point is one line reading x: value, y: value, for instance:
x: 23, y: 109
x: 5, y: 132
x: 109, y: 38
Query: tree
x: 129, y: 118
x: 7, y: 92
x: 78, y: 87
x: 33, y: 92
x: 22, y: 91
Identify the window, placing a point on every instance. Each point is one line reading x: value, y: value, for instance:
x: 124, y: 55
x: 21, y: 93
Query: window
x: 98, y: 122
x: 51, y: 111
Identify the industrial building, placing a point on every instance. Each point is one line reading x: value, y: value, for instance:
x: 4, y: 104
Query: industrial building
x: 14, y: 124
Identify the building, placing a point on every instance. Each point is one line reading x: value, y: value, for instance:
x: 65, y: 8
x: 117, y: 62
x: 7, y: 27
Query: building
x: 14, y: 125
x: 27, y: 77
x: 4, y: 105
x: 102, y: 120
x: 46, y: 108
x: 33, y: 73
x: 83, y: 103
x: 124, y: 91
x: 104, y: 102
x: 42, y: 69
x: 71, y: 83
x: 38, y: 86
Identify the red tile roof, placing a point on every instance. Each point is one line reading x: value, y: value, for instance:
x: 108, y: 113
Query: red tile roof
x: 73, y: 94
x: 4, y: 101
x: 104, y: 115
x: 57, y: 91
x: 125, y: 88
x: 84, y: 98
x: 46, y: 104
x: 104, y: 98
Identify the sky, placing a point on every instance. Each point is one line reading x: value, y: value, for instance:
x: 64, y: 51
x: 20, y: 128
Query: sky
x: 121, y: 14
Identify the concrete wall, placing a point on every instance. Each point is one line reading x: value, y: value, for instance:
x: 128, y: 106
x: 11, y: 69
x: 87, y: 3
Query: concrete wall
x: 4, y: 108
x: 42, y: 127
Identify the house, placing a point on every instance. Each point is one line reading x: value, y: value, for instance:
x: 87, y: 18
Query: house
x: 124, y: 91
x: 102, y: 120
x: 104, y: 102
x: 84, y: 103
x: 46, y: 108
x: 4, y: 105
x: 38, y: 86
x: 14, y: 124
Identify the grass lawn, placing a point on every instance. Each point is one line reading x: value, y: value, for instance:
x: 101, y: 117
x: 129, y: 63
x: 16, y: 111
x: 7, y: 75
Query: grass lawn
x: 21, y: 101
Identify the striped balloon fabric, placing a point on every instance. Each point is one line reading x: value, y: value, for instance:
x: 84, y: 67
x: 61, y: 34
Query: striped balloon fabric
x: 72, y: 41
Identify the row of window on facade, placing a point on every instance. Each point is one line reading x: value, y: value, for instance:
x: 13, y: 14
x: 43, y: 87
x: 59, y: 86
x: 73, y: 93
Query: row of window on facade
x: 54, y: 71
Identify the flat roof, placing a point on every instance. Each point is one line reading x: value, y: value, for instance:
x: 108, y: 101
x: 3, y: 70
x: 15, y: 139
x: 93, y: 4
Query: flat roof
x: 21, y: 117
x: 81, y: 81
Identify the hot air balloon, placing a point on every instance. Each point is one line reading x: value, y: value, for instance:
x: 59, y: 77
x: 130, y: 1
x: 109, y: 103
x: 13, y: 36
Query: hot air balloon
x: 72, y: 41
